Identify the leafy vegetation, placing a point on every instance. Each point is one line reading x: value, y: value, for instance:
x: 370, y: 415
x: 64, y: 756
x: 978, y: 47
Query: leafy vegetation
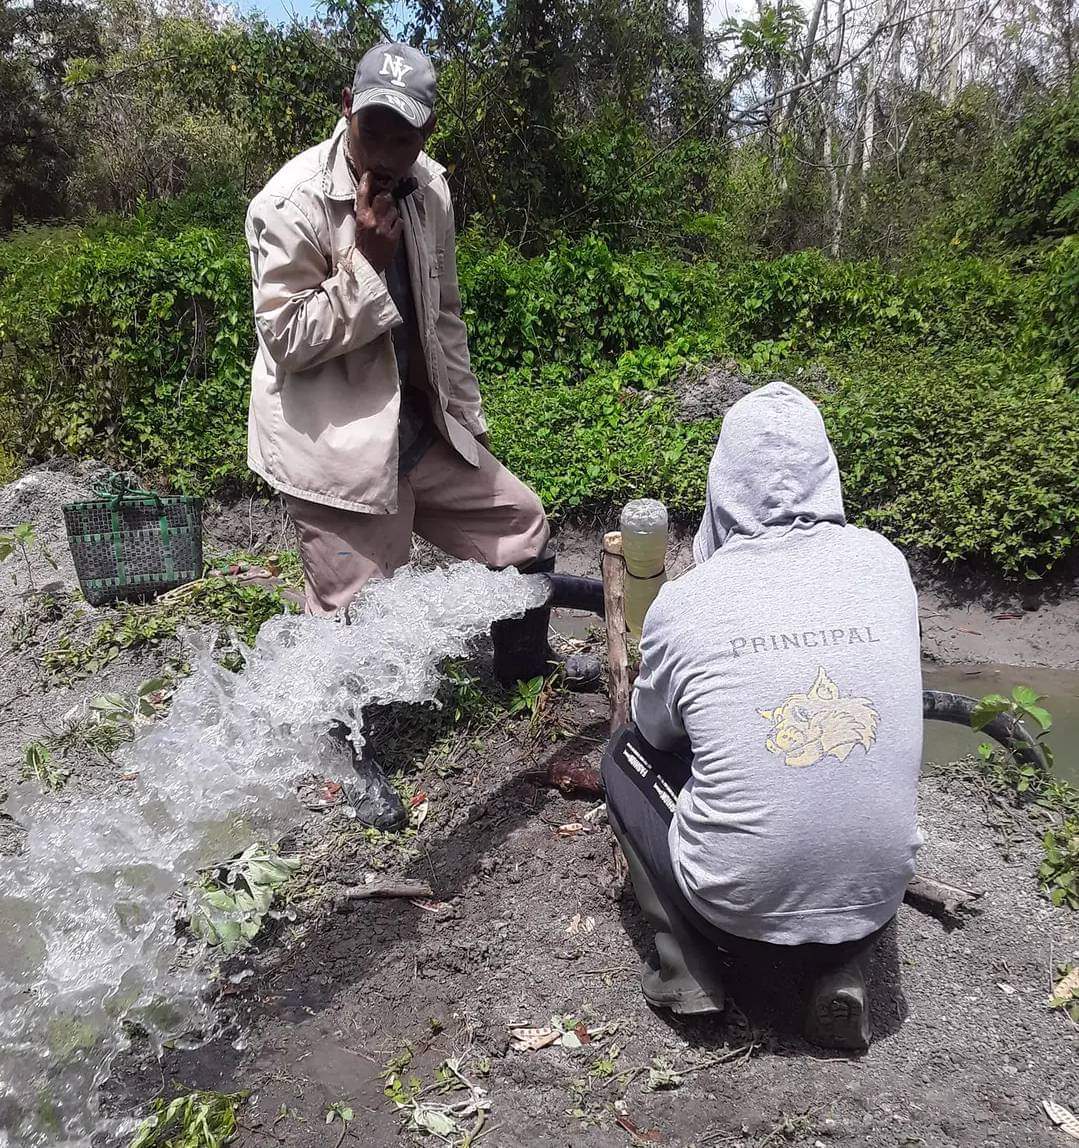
x: 218, y: 600
x: 198, y: 1119
x: 1045, y: 797
x: 1059, y: 872
x: 952, y: 412
x: 1024, y: 705
x: 229, y: 909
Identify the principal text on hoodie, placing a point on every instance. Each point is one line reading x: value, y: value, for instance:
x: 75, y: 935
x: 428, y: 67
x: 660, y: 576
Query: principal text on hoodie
x: 803, y: 640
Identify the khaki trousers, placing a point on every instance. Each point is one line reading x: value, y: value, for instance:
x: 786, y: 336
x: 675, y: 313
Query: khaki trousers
x: 484, y: 513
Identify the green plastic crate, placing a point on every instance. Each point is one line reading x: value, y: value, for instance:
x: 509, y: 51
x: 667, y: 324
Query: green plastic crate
x: 130, y: 544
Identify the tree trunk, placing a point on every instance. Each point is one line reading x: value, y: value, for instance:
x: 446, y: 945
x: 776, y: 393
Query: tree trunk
x: 695, y: 21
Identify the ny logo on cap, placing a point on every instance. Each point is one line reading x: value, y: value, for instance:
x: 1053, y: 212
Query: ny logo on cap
x: 396, y: 68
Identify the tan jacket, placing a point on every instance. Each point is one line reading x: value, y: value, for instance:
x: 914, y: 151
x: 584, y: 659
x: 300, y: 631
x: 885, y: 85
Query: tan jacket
x: 325, y: 392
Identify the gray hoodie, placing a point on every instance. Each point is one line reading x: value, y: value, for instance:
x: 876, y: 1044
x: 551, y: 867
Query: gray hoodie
x: 788, y: 660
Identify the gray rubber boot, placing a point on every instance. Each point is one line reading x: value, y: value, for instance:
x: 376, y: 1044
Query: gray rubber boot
x: 838, y: 1013
x: 687, y: 981
x: 371, y: 795
x: 521, y: 649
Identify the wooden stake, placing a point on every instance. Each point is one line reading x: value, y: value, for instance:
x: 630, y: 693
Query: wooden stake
x: 614, y: 607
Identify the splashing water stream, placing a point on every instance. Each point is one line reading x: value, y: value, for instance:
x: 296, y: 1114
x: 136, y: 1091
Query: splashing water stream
x: 87, y: 934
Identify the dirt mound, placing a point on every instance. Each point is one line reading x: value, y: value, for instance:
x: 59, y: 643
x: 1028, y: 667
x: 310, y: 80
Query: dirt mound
x: 38, y: 498
x: 708, y: 392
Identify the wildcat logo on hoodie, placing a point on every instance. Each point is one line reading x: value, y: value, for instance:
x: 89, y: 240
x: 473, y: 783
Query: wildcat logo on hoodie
x: 807, y: 728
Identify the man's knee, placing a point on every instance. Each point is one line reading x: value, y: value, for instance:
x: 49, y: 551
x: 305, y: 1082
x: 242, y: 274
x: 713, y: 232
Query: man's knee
x: 530, y: 532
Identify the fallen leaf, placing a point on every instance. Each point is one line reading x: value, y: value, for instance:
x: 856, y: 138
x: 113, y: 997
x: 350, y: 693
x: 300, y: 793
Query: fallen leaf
x: 579, y: 924
x: 648, y: 1135
x: 662, y: 1075
x: 418, y: 811
x: 128, y: 776
x: 581, y: 1033
x: 330, y: 791
x: 529, y: 1039
x: 434, y: 1120
x: 1066, y: 1121
x: 417, y: 799
x: 572, y: 829
x: 1065, y: 989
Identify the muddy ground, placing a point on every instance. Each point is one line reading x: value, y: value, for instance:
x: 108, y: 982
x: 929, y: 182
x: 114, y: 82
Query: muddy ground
x: 530, y: 919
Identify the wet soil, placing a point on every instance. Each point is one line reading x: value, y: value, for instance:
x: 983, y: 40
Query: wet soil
x: 531, y: 919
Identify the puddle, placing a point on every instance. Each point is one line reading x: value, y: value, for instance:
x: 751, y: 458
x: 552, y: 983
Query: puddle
x: 945, y: 742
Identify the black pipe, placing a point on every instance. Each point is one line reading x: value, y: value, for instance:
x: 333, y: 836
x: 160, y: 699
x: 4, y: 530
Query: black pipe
x: 572, y: 593
x: 1004, y: 728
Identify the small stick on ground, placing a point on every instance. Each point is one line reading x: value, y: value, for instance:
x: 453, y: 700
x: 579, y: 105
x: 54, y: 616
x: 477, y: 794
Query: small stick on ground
x: 939, y: 896
x: 383, y: 887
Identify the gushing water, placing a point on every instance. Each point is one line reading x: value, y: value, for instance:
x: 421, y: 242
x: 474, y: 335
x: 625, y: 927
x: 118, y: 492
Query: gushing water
x: 87, y: 936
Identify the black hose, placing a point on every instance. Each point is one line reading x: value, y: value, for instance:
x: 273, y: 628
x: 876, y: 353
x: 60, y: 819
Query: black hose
x: 938, y: 705
x: 572, y: 593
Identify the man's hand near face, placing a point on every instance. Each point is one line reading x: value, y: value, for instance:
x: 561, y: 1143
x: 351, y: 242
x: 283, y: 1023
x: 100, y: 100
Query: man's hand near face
x: 378, y: 222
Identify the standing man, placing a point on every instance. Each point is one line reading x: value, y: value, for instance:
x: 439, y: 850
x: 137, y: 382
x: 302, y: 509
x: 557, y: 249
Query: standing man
x: 365, y: 413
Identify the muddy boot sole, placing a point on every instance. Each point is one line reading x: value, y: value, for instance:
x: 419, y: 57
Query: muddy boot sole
x: 839, y: 1018
x: 688, y: 1001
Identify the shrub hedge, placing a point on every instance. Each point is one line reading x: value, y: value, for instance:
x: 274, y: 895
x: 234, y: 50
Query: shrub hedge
x: 952, y: 415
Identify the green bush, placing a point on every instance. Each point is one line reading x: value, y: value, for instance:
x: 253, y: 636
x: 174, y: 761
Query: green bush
x: 807, y: 302
x: 959, y: 456
x: 579, y: 306
x: 1034, y: 189
x: 952, y: 421
x: 135, y: 349
x: 1060, y: 305
x: 585, y: 445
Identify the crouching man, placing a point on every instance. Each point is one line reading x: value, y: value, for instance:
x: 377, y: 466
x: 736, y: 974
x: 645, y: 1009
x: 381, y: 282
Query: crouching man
x: 365, y: 413
x: 765, y: 796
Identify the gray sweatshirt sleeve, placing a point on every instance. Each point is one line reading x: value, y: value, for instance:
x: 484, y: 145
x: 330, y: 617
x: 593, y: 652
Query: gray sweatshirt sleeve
x: 655, y: 707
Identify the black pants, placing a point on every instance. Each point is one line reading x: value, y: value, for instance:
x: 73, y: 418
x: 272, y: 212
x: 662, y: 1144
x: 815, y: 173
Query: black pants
x: 642, y: 785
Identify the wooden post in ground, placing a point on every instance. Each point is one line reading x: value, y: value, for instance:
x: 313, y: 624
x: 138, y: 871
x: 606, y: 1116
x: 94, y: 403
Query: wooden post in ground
x: 614, y: 608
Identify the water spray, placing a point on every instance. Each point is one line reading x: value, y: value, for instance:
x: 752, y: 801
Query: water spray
x: 88, y: 940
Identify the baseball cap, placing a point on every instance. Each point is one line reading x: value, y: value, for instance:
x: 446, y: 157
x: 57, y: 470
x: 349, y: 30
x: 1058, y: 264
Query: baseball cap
x: 398, y: 77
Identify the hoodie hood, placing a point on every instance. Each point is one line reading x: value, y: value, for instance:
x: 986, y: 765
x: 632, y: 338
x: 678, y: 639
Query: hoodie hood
x: 773, y: 468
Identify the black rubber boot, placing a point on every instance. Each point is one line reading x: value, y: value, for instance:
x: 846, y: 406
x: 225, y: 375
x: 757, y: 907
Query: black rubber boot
x: 838, y: 1013
x: 687, y: 981
x: 371, y: 795
x: 521, y: 649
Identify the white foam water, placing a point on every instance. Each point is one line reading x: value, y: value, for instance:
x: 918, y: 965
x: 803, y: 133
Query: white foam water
x: 88, y: 944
